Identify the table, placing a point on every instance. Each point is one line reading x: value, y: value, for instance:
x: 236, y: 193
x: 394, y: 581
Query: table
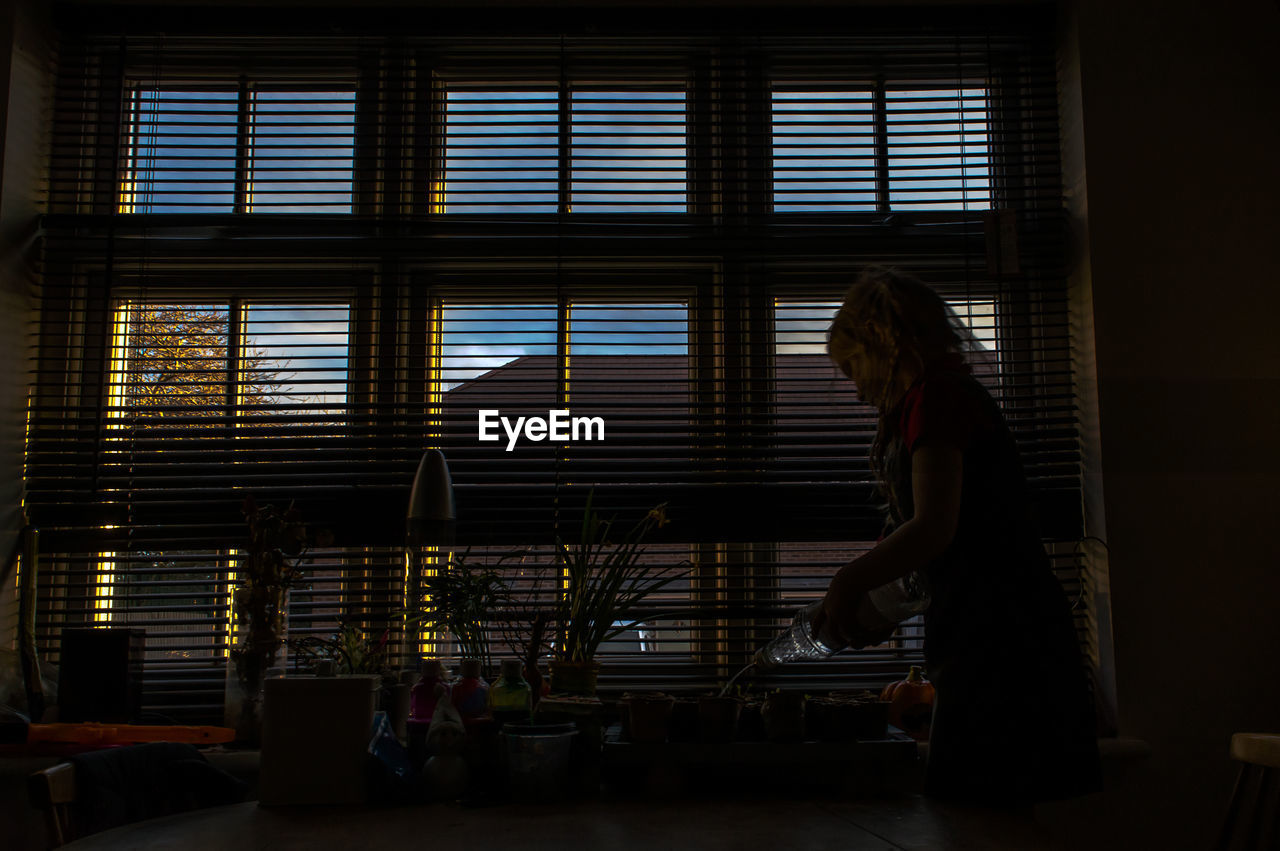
x: 907, y: 822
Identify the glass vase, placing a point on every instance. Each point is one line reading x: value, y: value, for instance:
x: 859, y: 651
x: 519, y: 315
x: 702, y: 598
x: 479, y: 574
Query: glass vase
x: 258, y: 652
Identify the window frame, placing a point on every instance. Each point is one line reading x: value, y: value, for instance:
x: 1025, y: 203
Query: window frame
x: 397, y: 257
x: 563, y: 74
x: 226, y: 76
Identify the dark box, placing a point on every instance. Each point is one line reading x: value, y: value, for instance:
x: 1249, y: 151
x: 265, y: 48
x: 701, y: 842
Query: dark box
x: 100, y: 674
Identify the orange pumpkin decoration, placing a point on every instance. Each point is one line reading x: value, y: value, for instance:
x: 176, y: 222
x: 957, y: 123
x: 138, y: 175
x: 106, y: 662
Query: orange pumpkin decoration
x: 911, y: 704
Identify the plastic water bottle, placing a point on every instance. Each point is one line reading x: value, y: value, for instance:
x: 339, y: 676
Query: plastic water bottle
x: 799, y: 643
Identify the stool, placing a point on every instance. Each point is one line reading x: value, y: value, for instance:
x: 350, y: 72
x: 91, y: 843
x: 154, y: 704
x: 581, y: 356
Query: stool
x: 1254, y: 811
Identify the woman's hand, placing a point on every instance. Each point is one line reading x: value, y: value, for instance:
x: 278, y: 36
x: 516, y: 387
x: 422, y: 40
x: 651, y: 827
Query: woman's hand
x: 838, y: 616
x: 847, y: 621
x: 848, y: 616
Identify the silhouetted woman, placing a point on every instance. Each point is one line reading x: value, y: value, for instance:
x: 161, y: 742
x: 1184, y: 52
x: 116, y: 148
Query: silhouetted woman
x: 1013, y: 722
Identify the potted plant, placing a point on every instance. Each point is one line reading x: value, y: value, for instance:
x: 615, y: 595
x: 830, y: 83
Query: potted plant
x: 461, y: 598
x: 604, y: 584
x: 349, y: 652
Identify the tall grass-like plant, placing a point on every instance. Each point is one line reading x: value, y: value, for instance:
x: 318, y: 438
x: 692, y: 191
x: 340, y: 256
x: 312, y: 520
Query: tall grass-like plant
x: 605, y: 583
x: 462, y: 598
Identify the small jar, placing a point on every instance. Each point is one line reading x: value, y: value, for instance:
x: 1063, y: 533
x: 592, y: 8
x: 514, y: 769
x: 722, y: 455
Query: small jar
x: 471, y: 693
x: 422, y: 697
x: 511, y: 697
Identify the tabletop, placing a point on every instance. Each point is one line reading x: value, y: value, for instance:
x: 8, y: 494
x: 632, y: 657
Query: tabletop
x: 906, y: 822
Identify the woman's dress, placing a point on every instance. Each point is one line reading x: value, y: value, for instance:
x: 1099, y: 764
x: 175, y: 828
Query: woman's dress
x: 1014, y: 719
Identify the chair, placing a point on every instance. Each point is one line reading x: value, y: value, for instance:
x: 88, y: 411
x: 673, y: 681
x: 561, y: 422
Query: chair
x: 1254, y: 812
x: 53, y: 790
x: 102, y: 789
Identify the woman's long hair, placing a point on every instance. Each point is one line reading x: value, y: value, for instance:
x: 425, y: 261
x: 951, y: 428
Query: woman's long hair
x: 903, y: 322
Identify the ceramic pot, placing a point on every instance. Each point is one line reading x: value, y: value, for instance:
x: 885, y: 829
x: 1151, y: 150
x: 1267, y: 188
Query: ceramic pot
x: 783, y: 715
x: 648, y: 716
x: 718, y: 718
x: 574, y: 677
x: 683, y: 726
x: 750, y: 722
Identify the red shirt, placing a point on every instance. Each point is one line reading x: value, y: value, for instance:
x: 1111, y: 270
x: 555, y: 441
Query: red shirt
x: 938, y: 409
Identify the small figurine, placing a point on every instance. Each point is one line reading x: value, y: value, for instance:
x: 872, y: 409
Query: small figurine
x: 445, y: 773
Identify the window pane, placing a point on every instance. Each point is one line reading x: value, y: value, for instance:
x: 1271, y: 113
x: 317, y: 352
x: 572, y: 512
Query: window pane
x: 629, y: 152
x: 181, y: 152
x: 939, y: 150
x: 170, y: 366
x: 661, y: 632
x: 825, y: 429
x: 303, y: 148
x: 496, y: 357
x: 629, y: 366
x: 823, y: 151
x: 179, y: 597
x: 343, y: 586
x: 822, y: 426
x: 501, y: 152
x: 294, y: 362
x: 477, y: 340
x: 801, y: 327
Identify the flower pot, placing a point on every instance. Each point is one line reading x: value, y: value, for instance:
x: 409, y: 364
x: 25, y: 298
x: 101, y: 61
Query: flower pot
x: 718, y: 718
x: 574, y: 677
x: 750, y: 722
x: 647, y: 716
x: 783, y: 715
x: 683, y: 726
x: 871, y: 719
x: 538, y: 760
x: 833, y: 719
x: 820, y: 720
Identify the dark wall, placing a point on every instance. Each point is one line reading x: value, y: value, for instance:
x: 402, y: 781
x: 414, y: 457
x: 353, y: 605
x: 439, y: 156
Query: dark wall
x: 1170, y: 132
x: 25, y: 86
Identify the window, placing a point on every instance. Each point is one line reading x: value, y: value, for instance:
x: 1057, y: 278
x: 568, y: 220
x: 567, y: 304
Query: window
x: 621, y: 369
x: 939, y: 149
x: 513, y: 235
x: 628, y: 152
x: 177, y: 372
x: 501, y: 152
x: 624, y: 150
x: 293, y: 369
x: 182, y: 151
x: 824, y: 151
x: 933, y: 152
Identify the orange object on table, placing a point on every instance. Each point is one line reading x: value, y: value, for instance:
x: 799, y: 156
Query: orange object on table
x: 94, y: 733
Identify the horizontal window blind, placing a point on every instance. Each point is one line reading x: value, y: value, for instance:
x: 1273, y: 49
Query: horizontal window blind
x: 282, y: 267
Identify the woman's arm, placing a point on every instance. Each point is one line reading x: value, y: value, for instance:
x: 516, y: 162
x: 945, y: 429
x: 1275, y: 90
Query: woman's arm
x: 936, y: 477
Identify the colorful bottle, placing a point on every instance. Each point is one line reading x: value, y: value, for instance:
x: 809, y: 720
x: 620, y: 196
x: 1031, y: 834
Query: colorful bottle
x: 471, y: 692
x: 422, y: 697
x: 511, y: 697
